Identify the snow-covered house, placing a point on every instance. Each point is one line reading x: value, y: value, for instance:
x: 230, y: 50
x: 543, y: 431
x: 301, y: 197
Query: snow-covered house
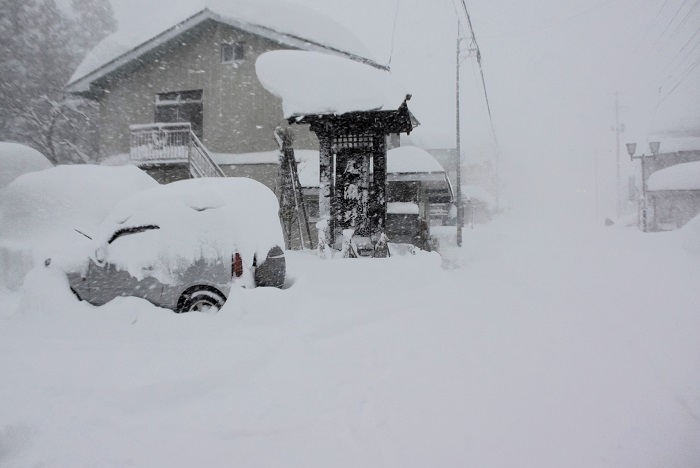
x: 673, y: 196
x: 201, y: 71
x: 672, y: 184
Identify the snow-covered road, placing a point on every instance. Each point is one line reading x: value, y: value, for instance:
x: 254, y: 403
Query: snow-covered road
x: 548, y: 347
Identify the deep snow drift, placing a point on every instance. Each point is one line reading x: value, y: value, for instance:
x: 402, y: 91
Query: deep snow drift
x: 550, y: 346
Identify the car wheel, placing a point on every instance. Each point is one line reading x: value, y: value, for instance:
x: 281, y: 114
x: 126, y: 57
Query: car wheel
x: 201, y: 299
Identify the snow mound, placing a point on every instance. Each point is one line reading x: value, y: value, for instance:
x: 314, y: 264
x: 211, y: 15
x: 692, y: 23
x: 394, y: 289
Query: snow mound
x: 684, y: 176
x: 265, y: 16
x: 316, y: 83
x: 17, y: 159
x: 40, y: 211
x: 207, y: 218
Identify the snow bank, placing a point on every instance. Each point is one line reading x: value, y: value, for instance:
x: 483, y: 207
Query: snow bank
x: 40, y: 211
x: 684, y: 176
x: 548, y: 348
x: 317, y: 83
x: 17, y: 159
x: 295, y: 20
x: 206, y: 218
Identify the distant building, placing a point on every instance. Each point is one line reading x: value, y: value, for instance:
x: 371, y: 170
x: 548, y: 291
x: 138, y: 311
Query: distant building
x: 672, y: 183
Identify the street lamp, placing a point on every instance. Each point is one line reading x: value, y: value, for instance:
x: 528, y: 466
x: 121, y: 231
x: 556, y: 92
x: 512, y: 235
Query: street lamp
x: 654, y: 149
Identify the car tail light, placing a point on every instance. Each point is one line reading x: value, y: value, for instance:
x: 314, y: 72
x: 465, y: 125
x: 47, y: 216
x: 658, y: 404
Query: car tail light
x: 237, y: 265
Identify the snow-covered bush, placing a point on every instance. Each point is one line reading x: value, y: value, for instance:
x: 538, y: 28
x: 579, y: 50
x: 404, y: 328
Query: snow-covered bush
x: 17, y: 159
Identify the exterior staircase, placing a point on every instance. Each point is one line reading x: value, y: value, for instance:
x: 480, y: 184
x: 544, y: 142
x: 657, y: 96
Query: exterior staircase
x: 171, y: 151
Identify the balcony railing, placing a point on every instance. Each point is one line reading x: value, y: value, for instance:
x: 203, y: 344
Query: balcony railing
x: 171, y: 143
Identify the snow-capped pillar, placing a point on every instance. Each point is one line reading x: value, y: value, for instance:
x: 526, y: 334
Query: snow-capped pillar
x: 325, y: 163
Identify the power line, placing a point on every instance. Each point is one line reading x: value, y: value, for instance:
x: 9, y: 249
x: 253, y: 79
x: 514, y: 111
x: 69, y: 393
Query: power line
x: 481, y: 70
x: 685, y: 75
x: 393, y: 33
x: 663, y: 33
x: 687, y: 15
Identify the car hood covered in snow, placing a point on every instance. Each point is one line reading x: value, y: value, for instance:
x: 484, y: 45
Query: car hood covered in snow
x: 197, y: 218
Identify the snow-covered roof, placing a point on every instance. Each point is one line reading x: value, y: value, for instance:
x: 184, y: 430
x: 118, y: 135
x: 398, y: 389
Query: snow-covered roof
x: 684, y: 176
x: 674, y: 145
x: 317, y: 83
x: 17, y: 159
x: 259, y: 157
x: 292, y: 26
x: 411, y: 160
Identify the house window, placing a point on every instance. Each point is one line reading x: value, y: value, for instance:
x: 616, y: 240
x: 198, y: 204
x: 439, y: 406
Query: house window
x: 181, y: 106
x: 232, y: 52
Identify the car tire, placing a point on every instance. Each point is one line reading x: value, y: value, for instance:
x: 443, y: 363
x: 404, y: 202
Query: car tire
x: 200, y: 299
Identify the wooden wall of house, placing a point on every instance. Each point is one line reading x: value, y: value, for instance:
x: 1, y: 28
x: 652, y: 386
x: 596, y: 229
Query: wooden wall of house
x: 672, y: 209
x: 239, y: 114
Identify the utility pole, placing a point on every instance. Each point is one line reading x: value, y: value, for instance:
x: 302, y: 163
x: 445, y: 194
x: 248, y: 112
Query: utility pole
x: 460, y: 211
x: 618, y: 129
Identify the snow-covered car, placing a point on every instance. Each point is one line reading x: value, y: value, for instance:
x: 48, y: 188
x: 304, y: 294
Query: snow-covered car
x: 182, y: 246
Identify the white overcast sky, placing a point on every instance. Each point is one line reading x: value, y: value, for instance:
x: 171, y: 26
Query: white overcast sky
x: 552, y: 69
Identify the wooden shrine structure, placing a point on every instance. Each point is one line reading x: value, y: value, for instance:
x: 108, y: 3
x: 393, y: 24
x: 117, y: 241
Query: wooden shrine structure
x: 352, y: 158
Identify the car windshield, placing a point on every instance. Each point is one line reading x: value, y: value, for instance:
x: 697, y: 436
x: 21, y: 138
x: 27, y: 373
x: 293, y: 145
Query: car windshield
x: 131, y: 230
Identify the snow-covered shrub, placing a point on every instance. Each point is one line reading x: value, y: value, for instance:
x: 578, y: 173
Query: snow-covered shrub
x: 17, y: 159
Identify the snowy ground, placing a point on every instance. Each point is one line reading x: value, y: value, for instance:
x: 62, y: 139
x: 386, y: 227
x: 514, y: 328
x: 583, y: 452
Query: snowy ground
x: 547, y: 347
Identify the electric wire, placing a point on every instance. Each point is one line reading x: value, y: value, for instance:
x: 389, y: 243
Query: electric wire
x: 687, y: 16
x: 481, y: 71
x: 393, y: 33
x: 663, y: 33
x: 684, y: 75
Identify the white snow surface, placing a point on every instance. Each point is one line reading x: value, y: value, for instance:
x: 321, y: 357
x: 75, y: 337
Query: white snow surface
x: 550, y: 346
x: 684, y: 176
x: 209, y: 218
x: 317, y: 83
x: 294, y: 20
x: 17, y: 159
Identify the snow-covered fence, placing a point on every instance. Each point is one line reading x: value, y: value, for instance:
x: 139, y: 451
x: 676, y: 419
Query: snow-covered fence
x: 171, y: 143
